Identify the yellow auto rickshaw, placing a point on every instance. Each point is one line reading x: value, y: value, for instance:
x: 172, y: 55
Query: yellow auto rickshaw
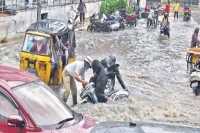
x: 193, y: 54
x: 43, y: 49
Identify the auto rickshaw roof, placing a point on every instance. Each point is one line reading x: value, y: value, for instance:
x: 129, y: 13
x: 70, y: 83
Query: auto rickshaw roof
x: 49, y: 26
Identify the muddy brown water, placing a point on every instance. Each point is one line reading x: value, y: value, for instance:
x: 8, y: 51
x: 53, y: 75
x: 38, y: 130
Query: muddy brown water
x: 152, y: 66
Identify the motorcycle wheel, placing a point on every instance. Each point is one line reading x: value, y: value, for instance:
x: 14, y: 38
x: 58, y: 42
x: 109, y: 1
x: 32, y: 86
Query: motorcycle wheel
x: 123, y: 26
x: 135, y: 23
x: 197, y: 91
x: 89, y: 27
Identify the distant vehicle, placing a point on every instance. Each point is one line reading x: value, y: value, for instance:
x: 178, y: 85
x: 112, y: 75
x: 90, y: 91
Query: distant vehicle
x: 28, y: 105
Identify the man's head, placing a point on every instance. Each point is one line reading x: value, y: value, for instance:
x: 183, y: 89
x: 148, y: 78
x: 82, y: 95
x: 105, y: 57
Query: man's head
x: 39, y: 39
x: 88, y: 62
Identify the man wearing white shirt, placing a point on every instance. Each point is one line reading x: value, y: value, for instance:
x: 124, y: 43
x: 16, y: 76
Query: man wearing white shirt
x: 150, y: 17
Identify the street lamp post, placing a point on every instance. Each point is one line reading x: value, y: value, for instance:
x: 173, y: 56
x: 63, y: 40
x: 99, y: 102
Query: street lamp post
x: 38, y: 10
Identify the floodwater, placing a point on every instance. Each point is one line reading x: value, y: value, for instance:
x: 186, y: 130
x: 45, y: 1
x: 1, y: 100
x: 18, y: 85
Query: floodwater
x: 153, y: 68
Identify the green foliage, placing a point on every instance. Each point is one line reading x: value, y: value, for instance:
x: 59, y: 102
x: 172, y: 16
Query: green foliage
x: 129, y: 9
x: 110, y: 6
x: 164, y: 1
x: 4, y: 39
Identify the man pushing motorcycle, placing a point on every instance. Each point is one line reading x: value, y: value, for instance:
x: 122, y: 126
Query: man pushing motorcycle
x: 71, y: 73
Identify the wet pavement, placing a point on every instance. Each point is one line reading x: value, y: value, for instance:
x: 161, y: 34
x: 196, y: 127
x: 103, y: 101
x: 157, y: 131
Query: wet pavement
x: 152, y: 66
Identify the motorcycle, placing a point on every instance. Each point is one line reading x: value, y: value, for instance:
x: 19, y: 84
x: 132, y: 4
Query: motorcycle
x: 112, y: 72
x: 186, y: 17
x: 164, y: 30
x: 99, y: 25
x: 117, y: 23
x: 195, y: 78
x: 74, y: 17
x: 131, y: 19
x: 88, y: 94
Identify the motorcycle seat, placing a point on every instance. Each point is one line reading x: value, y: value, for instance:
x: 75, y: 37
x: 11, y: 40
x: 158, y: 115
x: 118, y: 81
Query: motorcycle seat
x: 109, y: 93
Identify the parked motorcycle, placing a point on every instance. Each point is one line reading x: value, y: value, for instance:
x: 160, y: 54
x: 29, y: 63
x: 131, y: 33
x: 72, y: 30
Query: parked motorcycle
x: 99, y: 25
x: 164, y: 29
x: 74, y: 17
x: 195, y: 78
x: 117, y: 23
x: 131, y: 19
x: 88, y: 94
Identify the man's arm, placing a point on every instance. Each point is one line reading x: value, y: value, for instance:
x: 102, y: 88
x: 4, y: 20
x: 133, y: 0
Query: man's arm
x: 85, y: 7
x: 80, y: 80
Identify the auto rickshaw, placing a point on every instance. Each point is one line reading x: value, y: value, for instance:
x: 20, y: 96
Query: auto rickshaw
x: 42, y: 50
x: 193, y: 54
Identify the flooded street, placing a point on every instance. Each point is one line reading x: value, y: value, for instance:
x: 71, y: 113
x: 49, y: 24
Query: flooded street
x: 153, y: 68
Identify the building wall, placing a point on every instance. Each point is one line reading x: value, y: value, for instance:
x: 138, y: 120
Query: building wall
x: 15, y: 26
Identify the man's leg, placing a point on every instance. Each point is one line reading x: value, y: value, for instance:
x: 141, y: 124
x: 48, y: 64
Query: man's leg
x: 83, y: 18
x: 147, y: 22
x: 177, y: 15
x: 174, y: 15
x: 66, y: 83
x: 74, y: 91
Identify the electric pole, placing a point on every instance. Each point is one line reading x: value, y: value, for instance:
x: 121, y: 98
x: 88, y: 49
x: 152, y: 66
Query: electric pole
x: 39, y: 7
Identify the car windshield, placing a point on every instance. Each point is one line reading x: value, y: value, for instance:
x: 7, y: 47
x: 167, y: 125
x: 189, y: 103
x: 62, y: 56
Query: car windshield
x: 42, y: 104
x: 36, y: 44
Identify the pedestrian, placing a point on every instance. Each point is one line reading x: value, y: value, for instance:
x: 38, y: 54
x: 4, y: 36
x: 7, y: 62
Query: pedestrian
x: 82, y: 9
x: 176, y: 9
x: 167, y: 7
x: 71, y: 73
x: 150, y: 17
x: 195, y: 42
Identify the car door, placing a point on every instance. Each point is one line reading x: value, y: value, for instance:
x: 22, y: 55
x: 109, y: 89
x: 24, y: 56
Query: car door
x: 7, y: 109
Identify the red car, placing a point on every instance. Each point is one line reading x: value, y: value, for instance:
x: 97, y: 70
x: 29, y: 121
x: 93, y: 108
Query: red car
x: 28, y: 105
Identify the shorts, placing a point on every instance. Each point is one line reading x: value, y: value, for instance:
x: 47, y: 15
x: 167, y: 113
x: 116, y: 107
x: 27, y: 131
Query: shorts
x: 82, y: 17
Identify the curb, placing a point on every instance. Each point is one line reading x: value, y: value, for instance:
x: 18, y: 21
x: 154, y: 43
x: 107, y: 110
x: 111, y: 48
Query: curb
x: 81, y: 29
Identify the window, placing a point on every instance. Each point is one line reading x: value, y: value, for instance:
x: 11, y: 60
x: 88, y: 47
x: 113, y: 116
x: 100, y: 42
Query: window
x: 37, y: 44
x: 44, y: 16
x: 6, y: 108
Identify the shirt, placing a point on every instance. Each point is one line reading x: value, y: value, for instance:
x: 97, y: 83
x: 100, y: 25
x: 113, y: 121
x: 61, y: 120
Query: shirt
x: 176, y: 7
x: 151, y: 14
x: 81, y: 7
x: 76, y: 67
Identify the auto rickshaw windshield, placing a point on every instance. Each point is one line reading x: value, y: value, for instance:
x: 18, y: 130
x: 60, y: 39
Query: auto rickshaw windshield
x: 36, y: 44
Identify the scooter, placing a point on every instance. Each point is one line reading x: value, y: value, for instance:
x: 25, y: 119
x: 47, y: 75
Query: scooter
x: 88, y: 94
x: 74, y: 17
x: 195, y: 78
x: 117, y: 23
x: 186, y: 17
x: 164, y: 30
